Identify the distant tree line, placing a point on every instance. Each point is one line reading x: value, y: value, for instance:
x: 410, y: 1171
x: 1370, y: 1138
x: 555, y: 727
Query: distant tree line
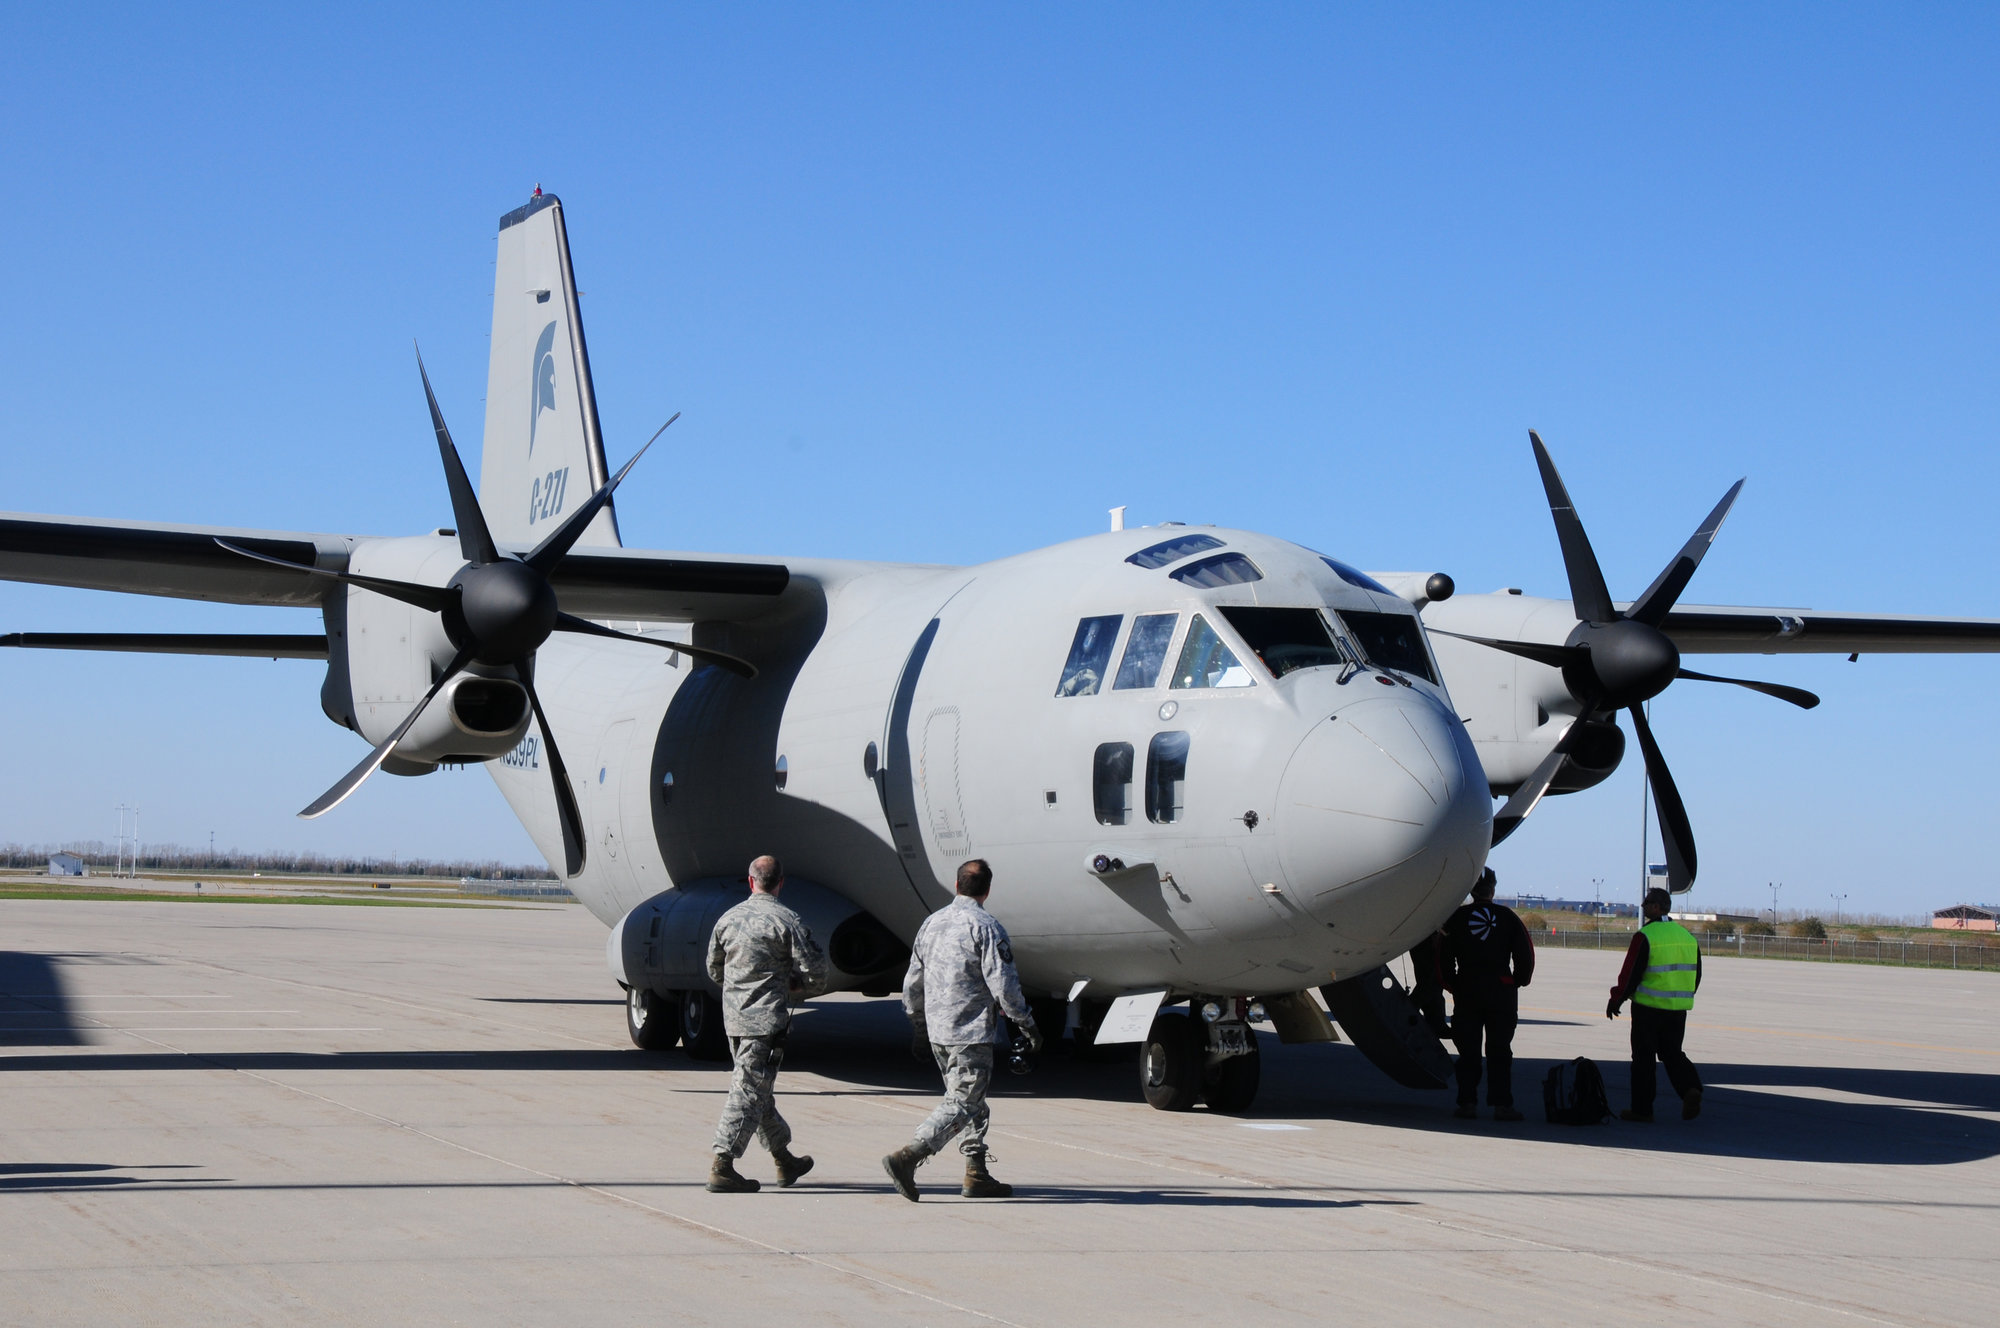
x: 102, y: 857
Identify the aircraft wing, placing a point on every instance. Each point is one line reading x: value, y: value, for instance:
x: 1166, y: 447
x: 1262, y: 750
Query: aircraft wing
x: 185, y: 562
x: 1700, y: 629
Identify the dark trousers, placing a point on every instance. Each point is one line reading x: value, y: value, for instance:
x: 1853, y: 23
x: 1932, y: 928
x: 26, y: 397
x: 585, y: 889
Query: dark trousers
x: 1658, y: 1033
x: 1492, y: 1021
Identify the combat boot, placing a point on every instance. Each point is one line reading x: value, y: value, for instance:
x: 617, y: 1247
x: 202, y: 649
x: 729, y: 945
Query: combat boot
x: 979, y: 1184
x: 723, y: 1178
x: 902, y: 1168
x: 790, y: 1166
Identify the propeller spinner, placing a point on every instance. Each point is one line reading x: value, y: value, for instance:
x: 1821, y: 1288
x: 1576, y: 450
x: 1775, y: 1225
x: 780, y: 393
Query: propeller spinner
x: 497, y: 610
x: 1617, y: 660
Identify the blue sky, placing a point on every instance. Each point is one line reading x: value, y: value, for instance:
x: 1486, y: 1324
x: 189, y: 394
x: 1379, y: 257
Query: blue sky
x: 942, y: 284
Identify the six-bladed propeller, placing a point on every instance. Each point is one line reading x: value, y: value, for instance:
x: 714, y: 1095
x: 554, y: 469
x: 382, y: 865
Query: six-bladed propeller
x: 1617, y: 660
x: 497, y: 610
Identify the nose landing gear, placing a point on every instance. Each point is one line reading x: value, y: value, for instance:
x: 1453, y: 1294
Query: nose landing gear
x: 1209, y: 1053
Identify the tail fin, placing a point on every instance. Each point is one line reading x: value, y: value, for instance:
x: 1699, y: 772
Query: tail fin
x: 543, y: 454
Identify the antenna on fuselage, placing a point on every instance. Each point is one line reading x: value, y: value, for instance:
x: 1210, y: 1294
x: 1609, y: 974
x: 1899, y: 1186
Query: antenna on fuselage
x: 1118, y: 518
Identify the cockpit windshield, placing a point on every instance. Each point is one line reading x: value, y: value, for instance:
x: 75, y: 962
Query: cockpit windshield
x: 1285, y: 639
x: 1391, y: 641
x: 1207, y: 662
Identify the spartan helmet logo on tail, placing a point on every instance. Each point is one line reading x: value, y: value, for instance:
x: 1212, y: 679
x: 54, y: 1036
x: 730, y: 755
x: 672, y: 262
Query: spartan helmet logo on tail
x: 541, y: 382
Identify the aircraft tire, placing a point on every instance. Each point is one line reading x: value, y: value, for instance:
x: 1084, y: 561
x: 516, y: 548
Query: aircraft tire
x: 653, y: 1020
x: 1170, y: 1063
x: 1231, y: 1086
x: 701, y: 1027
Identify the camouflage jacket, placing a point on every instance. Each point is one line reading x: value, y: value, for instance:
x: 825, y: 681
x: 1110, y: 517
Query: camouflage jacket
x: 758, y: 950
x: 961, y: 969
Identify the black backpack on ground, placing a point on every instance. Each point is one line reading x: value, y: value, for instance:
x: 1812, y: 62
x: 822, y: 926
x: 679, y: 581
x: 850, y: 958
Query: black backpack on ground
x: 1573, y: 1093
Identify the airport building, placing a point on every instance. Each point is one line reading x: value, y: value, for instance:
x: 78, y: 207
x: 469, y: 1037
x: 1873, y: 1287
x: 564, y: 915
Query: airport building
x: 67, y: 864
x: 1967, y: 917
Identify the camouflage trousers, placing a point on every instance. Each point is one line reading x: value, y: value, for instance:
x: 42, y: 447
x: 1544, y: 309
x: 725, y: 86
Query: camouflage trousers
x: 751, y: 1108
x: 968, y: 1073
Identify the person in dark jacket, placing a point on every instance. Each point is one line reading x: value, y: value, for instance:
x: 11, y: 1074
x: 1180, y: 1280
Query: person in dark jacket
x: 1484, y: 962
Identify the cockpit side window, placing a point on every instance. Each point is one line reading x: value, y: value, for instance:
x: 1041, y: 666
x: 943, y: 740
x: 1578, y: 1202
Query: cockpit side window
x: 1145, y: 651
x: 1173, y: 550
x: 1089, y: 656
x: 1166, y: 773
x: 1206, y: 662
x: 1285, y: 639
x: 1111, y: 782
x: 1391, y: 641
x: 1224, y: 569
x: 1355, y: 577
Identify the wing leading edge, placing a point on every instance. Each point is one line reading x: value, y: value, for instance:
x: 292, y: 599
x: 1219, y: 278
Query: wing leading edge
x: 185, y: 562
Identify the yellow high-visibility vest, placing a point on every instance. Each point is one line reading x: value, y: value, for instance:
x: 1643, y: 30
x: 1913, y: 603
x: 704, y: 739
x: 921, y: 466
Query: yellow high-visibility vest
x: 1671, y: 955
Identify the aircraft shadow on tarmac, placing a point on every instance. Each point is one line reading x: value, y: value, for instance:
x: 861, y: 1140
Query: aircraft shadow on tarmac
x: 55, y: 1177
x: 35, y: 1007
x: 1830, y: 1113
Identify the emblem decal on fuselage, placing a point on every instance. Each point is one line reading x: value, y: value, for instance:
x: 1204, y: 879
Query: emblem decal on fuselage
x: 542, y: 381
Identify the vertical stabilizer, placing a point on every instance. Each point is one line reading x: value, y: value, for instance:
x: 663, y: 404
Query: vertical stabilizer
x: 543, y: 454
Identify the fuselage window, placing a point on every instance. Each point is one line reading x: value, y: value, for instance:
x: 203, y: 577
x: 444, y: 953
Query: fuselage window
x: 1145, y: 651
x: 1111, y: 782
x: 1207, y: 662
x: 1391, y: 641
x: 1285, y: 639
x: 1224, y: 569
x: 1089, y: 656
x: 1173, y: 550
x: 1354, y: 577
x: 1166, y: 773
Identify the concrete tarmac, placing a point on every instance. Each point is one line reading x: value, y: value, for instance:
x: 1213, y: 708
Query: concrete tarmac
x: 237, y: 1113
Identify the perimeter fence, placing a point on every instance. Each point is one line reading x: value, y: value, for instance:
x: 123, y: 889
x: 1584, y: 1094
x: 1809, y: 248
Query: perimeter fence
x: 1912, y: 954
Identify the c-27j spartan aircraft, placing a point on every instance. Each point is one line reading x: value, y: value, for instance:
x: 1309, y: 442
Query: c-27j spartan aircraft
x: 1209, y: 766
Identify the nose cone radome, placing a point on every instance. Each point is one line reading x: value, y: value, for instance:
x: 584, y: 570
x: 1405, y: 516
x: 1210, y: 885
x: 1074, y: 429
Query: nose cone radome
x: 1383, y: 810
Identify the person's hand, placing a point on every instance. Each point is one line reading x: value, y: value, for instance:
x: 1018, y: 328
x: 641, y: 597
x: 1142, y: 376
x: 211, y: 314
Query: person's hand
x: 1034, y: 1036
x: 1612, y: 1007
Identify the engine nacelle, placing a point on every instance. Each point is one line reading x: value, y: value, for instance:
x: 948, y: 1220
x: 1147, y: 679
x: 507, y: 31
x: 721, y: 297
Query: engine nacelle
x: 662, y: 944
x: 383, y: 655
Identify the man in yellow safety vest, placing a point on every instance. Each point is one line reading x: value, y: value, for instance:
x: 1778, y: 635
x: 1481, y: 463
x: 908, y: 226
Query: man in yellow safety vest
x: 1662, y: 970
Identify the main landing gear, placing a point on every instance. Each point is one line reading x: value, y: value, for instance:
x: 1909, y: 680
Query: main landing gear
x: 1208, y: 1053
x: 693, y: 1019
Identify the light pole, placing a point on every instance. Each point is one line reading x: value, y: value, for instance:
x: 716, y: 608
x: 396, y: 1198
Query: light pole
x: 1775, y: 887
x: 1838, y: 900
x: 1597, y: 889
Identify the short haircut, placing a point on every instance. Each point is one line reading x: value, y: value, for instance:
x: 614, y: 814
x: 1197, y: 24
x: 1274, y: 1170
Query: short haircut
x: 975, y: 878
x: 766, y: 872
x: 1484, y: 886
x: 1660, y: 899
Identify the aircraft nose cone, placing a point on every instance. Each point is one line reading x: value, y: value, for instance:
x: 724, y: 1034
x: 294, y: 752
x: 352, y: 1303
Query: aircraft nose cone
x: 1383, y: 808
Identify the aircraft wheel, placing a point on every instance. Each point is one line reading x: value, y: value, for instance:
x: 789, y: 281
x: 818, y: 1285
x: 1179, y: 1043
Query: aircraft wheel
x: 653, y: 1020
x: 701, y: 1027
x: 1231, y: 1086
x: 1170, y: 1063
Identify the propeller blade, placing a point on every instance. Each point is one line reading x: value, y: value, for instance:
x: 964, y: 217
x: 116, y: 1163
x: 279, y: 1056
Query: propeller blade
x: 568, y: 622
x: 1798, y: 696
x: 351, y: 781
x: 566, y: 808
x: 1652, y: 607
x: 1527, y: 797
x: 1676, y: 835
x: 433, y: 598
x: 550, y: 551
x: 475, y: 541
x: 1586, y: 579
x: 1554, y: 656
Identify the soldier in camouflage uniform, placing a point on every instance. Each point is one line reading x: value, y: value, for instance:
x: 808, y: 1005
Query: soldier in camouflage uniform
x: 961, y: 969
x: 762, y: 955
